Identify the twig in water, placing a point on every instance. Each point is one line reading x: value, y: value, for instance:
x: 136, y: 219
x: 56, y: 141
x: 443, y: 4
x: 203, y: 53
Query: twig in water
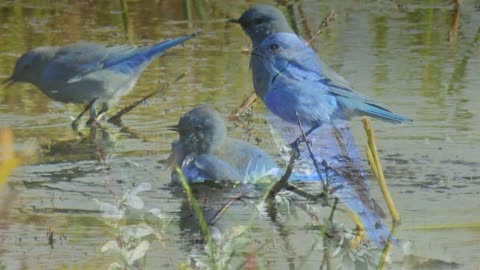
x: 312, y: 156
x: 334, y: 207
x: 224, y: 208
x: 116, y: 119
x: 306, y: 25
x: 330, y: 17
x: 455, y: 25
x: 243, y: 107
x: 374, y: 162
x: 386, y: 249
x: 283, y: 182
x: 326, y: 262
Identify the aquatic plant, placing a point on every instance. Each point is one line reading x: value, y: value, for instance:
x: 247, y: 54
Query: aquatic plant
x: 131, y: 237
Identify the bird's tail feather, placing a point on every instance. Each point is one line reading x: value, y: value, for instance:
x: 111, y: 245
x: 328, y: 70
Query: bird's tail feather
x: 362, y: 107
x: 159, y: 48
x: 384, y: 114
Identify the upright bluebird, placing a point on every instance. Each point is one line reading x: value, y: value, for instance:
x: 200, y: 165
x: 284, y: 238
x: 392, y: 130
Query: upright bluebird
x: 291, y: 80
x: 205, y: 152
x: 296, y: 86
x: 87, y: 72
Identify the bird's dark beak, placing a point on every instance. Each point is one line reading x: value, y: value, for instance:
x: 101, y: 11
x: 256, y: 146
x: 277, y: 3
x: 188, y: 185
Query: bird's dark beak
x: 173, y: 128
x: 233, y: 21
x: 255, y: 52
x: 7, y: 82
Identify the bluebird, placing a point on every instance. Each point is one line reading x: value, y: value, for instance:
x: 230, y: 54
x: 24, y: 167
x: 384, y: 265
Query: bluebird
x: 87, y: 73
x: 297, y: 87
x: 204, y: 151
x: 291, y: 80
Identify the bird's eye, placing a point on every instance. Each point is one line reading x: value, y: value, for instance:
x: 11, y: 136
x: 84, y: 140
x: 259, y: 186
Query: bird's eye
x: 27, y: 66
x: 258, y: 21
x: 274, y: 48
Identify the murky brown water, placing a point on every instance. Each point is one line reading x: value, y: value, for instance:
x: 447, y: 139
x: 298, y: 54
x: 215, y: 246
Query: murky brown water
x: 404, y: 55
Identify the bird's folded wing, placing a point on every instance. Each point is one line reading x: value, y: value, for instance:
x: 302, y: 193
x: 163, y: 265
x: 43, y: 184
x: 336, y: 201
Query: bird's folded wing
x: 304, y: 65
x: 200, y: 168
x: 128, y: 58
x: 74, y: 59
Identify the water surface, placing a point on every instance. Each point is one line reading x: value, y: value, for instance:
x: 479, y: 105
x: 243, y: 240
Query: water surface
x: 420, y: 58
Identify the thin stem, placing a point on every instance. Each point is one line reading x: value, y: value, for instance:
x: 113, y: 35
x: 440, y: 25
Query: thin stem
x: 116, y: 119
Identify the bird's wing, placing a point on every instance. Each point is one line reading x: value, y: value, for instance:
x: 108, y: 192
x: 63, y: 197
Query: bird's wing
x: 307, y: 66
x: 298, y: 65
x: 302, y: 63
x: 299, y: 73
x: 118, y: 58
x: 83, y: 58
x: 124, y: 58
x: 74, y: 59
x: 200, y: 168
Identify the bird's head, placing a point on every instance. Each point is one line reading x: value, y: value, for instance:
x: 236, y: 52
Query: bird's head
x: 260, y: 21
x: 30, y: 66
x: 201, y: 130
x: 278, y: 50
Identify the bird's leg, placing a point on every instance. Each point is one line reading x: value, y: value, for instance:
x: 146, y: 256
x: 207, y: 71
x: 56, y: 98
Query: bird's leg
x: 88, y: 107
x: 102, y: 111
x: 312, y: 156
x: 93, y: 113
x: 303, y: 137
x: 92, y: 121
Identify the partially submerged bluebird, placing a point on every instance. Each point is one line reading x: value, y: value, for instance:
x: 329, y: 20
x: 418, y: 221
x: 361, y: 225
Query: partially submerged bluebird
x: 87, y: 72
x: 204, y: 151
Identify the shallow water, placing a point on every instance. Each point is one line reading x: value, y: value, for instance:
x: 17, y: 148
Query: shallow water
x: 409, y: 55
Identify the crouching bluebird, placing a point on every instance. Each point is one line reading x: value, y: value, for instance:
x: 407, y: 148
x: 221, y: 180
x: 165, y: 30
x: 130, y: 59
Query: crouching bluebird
x: 87, y: 73
x: 205, y: 151
x: 298, y: 88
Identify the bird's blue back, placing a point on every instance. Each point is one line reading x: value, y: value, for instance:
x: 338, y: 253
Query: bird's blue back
x: 296, y: 72
x: 74, y: 62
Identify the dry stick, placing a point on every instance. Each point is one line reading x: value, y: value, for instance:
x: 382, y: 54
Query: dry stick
x: 386, y: 249
x: 311, y: 197
x: 455, y: 25
x: 334, y: 207
x: 374, y: 161
x: 326, y: 262
x: 116, y: 118
x: 243, y: 107
x: 283, y: 182
x: 359, y: 225
x: 306, y: 25
x: 323, y: 25
x: 312, y: 156
x: 224, y: 208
